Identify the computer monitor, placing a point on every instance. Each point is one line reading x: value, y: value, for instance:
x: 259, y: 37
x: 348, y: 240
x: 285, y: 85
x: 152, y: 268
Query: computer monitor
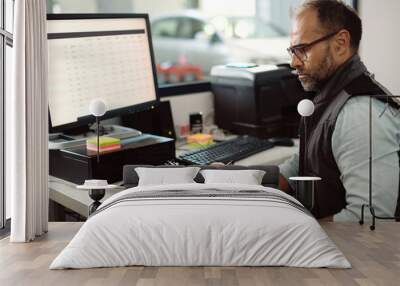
x: 98, y: 56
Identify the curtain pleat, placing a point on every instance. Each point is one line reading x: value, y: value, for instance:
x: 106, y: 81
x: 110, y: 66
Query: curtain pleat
x: 15, y: 129
x: 28, y: 159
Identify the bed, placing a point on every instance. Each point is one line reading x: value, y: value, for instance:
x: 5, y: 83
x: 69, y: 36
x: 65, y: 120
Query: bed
x: 201, y: 224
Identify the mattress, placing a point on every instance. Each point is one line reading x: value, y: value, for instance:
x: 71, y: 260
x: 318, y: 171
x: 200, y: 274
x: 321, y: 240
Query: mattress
x: 201, y: 225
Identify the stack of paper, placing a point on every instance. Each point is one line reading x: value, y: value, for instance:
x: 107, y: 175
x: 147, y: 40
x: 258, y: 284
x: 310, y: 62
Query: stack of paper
x: 105, y: 144
x: 200, y: 140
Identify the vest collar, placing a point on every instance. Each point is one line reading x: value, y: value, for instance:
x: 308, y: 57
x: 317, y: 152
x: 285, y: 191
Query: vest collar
x: 347, y: 72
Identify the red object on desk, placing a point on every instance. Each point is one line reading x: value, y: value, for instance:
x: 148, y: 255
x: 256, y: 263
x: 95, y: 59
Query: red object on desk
x: 177, y: 73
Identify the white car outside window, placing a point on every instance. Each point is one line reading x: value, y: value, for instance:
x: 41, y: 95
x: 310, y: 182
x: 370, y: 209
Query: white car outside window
x: 192, y: 39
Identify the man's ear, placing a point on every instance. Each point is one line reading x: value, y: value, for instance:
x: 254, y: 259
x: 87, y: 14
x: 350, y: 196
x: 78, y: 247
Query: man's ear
x: 342, y: 42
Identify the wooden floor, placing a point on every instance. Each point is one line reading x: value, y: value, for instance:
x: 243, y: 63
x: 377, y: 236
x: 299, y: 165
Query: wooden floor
x: 375, y: 257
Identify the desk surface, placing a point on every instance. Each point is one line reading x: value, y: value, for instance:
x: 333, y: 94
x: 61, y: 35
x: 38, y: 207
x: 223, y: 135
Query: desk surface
x: 374, y: 255
x: 126, y: 143
x: 66, y: 194
x: 273, y: 156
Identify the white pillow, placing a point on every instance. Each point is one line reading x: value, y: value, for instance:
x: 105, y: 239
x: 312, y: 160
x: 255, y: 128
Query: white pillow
x: 163, y: 176
x: 248, y: 177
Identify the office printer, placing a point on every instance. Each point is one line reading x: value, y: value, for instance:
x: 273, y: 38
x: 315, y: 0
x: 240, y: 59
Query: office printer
x: 258, y: 100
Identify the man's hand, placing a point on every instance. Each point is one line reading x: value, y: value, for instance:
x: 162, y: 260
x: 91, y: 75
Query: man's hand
x: 327, y: 218
x: 284, y: 185
x: 217, y: 164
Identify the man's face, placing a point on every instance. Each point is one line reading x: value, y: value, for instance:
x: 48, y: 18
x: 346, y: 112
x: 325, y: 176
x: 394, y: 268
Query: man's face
x: 320, y: 63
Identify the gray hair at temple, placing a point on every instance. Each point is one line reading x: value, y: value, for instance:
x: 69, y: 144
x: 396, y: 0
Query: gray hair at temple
x: 335, y: 15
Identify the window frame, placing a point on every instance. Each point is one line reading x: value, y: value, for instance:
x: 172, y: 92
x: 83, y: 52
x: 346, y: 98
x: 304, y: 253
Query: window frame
x: 176, y: 89
x: 161, y: 22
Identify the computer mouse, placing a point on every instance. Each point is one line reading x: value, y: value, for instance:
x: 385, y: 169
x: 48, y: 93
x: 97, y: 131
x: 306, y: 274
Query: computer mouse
x: 282, y: 141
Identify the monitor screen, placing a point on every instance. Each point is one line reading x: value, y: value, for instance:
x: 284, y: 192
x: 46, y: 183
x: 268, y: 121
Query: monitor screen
x: 94, y: 56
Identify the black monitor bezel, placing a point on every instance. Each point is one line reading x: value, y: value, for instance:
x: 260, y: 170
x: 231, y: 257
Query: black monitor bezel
x: 89, y: 119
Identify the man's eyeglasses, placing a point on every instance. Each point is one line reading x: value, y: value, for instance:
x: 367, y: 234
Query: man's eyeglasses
x: 300, y: 50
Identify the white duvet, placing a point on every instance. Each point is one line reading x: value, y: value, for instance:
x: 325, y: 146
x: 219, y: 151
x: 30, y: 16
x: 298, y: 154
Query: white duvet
x: 200, y: 231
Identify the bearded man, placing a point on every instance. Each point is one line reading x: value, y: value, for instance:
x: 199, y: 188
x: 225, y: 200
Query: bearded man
x: 324, y: 47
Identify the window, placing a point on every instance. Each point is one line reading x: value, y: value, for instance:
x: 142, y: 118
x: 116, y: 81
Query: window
x: 6, y: 29
x: 190, y: 28
x: 202, y: 33
x: 165, y: 28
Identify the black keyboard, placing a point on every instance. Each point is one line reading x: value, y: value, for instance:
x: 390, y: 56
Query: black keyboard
x: 227, y: 151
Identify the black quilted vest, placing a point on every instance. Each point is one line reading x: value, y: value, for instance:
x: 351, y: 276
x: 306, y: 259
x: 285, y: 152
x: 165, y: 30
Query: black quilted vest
x: 316, y: 156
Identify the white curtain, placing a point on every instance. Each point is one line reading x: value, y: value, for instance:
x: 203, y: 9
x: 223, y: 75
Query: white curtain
x: 27, y: 123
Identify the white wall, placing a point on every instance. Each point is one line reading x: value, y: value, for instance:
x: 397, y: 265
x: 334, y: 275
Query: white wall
x: 155, y: 8
x: 213, y: 8
x: 182, y: 106
x: 380, y: 44
x: 72, y: 6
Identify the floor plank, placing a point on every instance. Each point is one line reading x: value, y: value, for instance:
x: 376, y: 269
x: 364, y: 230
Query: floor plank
x: 375, y: 257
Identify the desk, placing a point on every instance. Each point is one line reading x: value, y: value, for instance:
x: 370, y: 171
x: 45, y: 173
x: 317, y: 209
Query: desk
x: 66, y: 194
x: 78, y: 164
x: 273, y: 156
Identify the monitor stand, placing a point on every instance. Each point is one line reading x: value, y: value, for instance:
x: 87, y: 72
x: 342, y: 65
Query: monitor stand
x: 64, y: 141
